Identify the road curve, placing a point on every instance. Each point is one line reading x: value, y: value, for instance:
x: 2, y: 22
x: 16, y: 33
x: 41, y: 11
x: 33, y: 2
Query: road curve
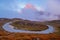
x: 10, y: 28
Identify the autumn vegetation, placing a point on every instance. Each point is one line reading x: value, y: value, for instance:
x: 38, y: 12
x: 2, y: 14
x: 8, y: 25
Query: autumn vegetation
x: 29, y: 25
x: 4, y: 35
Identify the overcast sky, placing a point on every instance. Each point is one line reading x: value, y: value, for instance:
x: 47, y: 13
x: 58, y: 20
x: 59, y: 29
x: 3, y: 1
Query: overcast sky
x: 54, y: 6
x: 12, y: 8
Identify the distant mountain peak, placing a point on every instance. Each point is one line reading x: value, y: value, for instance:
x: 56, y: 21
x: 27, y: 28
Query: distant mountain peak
x: 29, y: 6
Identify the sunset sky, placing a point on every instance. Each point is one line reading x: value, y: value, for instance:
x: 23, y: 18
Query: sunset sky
x: 12, y: 8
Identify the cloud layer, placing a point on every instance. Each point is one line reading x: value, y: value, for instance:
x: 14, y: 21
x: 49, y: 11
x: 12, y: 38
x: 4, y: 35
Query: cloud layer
x: 14, y: 6
x: 54, y: 6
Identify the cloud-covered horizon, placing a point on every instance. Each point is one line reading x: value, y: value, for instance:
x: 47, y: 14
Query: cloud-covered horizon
x: 11, y: 8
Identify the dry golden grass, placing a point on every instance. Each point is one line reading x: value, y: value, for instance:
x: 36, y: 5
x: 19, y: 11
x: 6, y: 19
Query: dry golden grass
x: 29, y: 25
x: 25, y: 36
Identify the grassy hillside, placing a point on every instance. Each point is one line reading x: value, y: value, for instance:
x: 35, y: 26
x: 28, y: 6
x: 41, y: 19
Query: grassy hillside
x: 29, y: 25
x: 56, y: 24
x: 4, y: 35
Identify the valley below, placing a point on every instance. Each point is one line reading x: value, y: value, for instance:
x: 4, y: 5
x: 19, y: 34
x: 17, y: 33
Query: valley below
x: 5, y: 35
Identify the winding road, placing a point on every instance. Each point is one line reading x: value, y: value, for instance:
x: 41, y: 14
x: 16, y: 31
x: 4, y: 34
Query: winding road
x: 10, y: 28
